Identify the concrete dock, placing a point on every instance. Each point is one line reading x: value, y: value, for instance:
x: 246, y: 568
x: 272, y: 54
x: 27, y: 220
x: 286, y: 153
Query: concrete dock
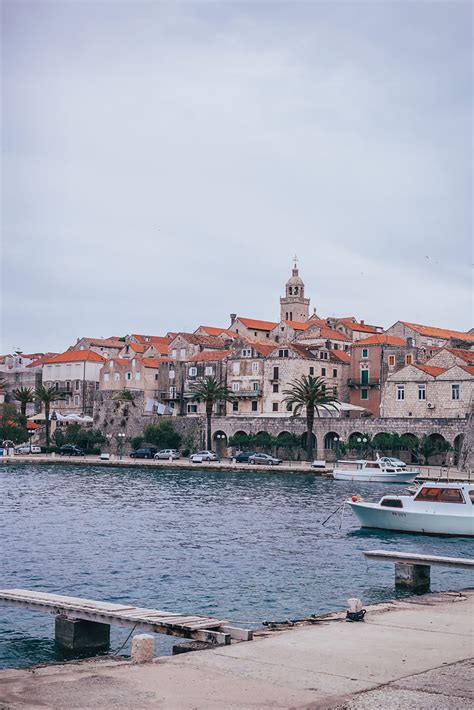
x: 415, y: 653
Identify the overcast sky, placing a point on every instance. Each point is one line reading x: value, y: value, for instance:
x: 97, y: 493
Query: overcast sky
x: 163, y: 161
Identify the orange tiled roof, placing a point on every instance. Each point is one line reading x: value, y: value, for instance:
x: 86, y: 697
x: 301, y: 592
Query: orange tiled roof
x: 331, y: 334
x: 353, y: 324
x: 75, y: 356
x: 209, y: 341
x: 210, y: 356
x: 211, y: 330
x: 467, y: 355
x: 380, y: 339
x: 41, y: 360
x: 118, y: 361
x: 341, y: 355
x: 431, y: 369
x: 430, y: 331
x: 467, y: 368
x: 299, y: 326
x: 137, y: 347
x: 154, y: 361
x: 32, y: 425
x: 251, y: 323
x: 105, y: 342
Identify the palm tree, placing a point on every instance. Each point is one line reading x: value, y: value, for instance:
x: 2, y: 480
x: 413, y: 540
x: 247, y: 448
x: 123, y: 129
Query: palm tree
x: 46, y: 396
x: 210, y: 390
x: 310, y: 392
x: 24, y: 395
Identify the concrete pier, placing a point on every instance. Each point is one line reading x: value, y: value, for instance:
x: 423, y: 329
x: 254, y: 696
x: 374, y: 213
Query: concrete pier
x: 414, y: 577
x: 414, y: 653
x: 81, y: 636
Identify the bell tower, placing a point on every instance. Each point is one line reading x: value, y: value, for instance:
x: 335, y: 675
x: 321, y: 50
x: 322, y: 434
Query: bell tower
x: 293, y: 305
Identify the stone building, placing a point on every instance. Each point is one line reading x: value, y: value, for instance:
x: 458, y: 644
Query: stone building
x: 147, y: 375
x: 159, y: 342
x: 185, y: 345
x: 251, y: 328
x: 245, y: 376
x: 293, y: 305
x: 353, y: 329
x: 373, y: 359
x: 210, y: 363
x: 77, y: 373
x: 320, y: 334
x: 106, y: 347
x: 424, y: 391
x: 429, y: 339
x: 22, y: 370
x: 446, y: 357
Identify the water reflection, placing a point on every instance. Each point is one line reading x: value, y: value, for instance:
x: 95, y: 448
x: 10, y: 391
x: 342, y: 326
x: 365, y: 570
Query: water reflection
x: 238, y: 545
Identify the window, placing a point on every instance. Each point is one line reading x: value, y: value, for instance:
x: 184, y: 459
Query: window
x: 117, y: 376
x: 68, y: 383
x: 235, y: 406
x: 192, y: 408
x: 334, y: 391
x: 364, y: 376
x: 365, y: 352
x: 133, y: 362
x: 334, y: 372
x: 183, y: 353
x: 255, y: 386
x: 254, y: 406
x: 455, y: 391
x: 235, y: 386
x: 276, y: 373
x: 364, y: 393
x: 323, y: 355
x: 275, y: 407
x: 138, y: 375
x: 391, y: 360
x: 173, y: 392
x: 283, y: 352
x: 430, y: 494
x: 323, y: 372
x: 255, y: 367
x: 106, y: 379
x: 311, y: 370
x: 193, y: 371
x: 129, y: 375
x: 156, y: 376
x: 173, y: 353
x: 208, y: 371
x: 172, y: 374
x: 400, y: 392
x: 335, y: 346
x: 77, y: 384
x: 236, y: 368
x: 408, y: 359
x: 275, y: 387
x: 255, y: 333
x: 247, y: 352
x: 56, y: 386
x: 76, y: 399
x: 422, y: 392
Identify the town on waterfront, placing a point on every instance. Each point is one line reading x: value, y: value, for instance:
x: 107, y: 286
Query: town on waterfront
x: 405, y: 390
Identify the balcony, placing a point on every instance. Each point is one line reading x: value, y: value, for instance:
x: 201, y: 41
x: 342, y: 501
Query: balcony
x: 355, y: 384
x: 247, y: 394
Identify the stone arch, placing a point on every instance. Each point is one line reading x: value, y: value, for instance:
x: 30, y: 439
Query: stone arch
x: 219, y: 439
x: 458, y: 442
x: 304, y: 440
x: 440, y: 455
x: 409, y: 445
x: 330, y: 440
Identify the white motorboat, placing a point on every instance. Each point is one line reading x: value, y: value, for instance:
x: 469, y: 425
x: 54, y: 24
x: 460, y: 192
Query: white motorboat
x: 373, y: 471
x: 435, y: 508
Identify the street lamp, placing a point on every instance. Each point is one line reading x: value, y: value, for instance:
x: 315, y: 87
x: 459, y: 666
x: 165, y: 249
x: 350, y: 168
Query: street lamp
x: 31, y: 433
x: 360, y: 442
x: 121, y: 441
x: 337, y: 440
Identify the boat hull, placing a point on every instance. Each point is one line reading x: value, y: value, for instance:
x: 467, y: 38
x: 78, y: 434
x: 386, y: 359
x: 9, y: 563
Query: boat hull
x: 373, y: 515
x: 365, y: 476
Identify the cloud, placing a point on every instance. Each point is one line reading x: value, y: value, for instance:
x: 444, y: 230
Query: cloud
x: 163, y: 162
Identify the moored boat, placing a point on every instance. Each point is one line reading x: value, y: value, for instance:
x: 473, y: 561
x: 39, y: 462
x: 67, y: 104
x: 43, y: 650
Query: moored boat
x: 373, y: 471
x: 434, y: 509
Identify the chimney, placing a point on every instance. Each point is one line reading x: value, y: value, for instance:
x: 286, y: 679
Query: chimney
x: 233, y: 316
x: 362, y: 322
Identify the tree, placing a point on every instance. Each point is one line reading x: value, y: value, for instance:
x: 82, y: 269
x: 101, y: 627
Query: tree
x: 46, y: 396
x: 24, y: 395
x: 310, y: 392
x: 12, y: 425
x: 124, y: 396
x: 210, y: 391
x: 162, y: 435
x: 88, y: 439
x: 429, y: 447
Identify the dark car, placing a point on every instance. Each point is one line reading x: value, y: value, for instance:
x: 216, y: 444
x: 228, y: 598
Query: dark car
x: 71, y: 450
x: 145, y: 452
x: 243, y: 456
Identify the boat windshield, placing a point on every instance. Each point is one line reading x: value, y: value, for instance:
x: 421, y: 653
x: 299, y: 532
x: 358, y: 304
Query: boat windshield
x: 431, y: 494
x: 471, y: 495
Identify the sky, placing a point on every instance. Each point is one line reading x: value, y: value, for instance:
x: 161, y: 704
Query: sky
x: 162, y: 162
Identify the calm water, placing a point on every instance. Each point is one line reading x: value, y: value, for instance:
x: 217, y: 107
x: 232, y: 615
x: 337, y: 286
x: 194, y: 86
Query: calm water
x: 243, y: 546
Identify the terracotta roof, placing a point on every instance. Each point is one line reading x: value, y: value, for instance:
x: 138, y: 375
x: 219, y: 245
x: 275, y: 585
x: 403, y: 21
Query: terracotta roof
x: 341, y: 355
x: 299, y: 326
x: 467, y: 355
x: 467, y: 368
x: 251, y: 323
x: 331, y: 334
x: 118, y: 361
x: 264, y: 348
x: 431, y: 369
x: 302, y: 351
x: 41, y: 360
x: 430, y: 331
x: 75, y: 356
x: 137, y: 347
x: 209, y: 341
x: 154, y: 361
x: 381, y: 339
x: 210, y: 356
x: 353, y: 324
x: 32, y: 425
x: 211, y: 330
x: 104, y: 342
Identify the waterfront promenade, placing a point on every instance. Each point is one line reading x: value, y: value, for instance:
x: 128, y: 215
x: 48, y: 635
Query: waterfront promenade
x: 302, y: 467
x: 415, y: 653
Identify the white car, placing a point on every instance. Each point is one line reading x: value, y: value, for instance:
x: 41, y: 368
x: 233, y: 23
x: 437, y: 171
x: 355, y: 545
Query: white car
x: 204, y: 456
x: 167, y: 454
x: 27, y: 449
x: 389, y: 461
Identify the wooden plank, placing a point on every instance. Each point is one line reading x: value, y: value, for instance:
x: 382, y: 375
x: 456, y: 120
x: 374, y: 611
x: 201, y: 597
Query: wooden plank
x: 418, y: 559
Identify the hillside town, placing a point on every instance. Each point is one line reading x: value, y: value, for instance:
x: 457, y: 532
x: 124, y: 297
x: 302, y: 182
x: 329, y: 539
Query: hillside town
x: 394, y: 376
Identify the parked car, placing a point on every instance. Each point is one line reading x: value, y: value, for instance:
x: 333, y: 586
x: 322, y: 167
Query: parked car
x: 144, y: 452
x: 389, y: 461
x: 71, y: 450
x: 167, y: 454
x: 205, y: 456
x: 243, y: 456
x: 265, y: 459
x: 27, y: 449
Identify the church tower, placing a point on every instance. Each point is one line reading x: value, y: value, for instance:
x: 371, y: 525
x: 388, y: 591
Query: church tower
x: 293, y: 305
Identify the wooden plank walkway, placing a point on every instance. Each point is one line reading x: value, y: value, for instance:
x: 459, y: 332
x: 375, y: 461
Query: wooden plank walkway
x: 408, y: 558
x: 200, y: 628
